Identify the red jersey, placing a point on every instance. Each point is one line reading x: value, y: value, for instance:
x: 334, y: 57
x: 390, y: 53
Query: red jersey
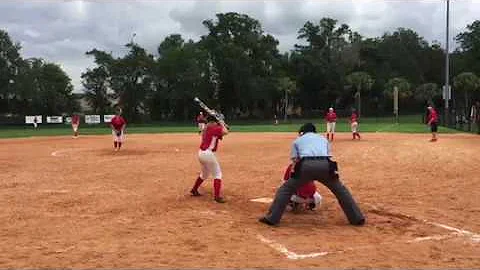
x: 305, y: 191
x: 117, y: 122
x: 75, y: 119
x: 331, y: 117
x: 354, y: 118
x: 201, y: 118
x: 432, y: 116
x: 211, y: 135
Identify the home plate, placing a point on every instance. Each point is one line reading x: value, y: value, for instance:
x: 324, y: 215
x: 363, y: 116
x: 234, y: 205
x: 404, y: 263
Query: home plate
x: 262, y: 200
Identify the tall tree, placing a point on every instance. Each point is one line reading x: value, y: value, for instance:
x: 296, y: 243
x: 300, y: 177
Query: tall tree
x: 470, y: 46
x: 427, y: 93
x: 360, y: 82
x: 10, y: 60
x: 467, y: 83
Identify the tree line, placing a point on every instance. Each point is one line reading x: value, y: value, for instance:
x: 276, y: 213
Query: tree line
x: 237, y: 68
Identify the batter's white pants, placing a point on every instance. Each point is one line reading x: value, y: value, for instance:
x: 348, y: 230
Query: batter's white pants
x: 209, y: 164
x: 120, y: 138
x: 75, y: 127
x: 354, y: 127
x: 317, y: 199
x: 330, y: 127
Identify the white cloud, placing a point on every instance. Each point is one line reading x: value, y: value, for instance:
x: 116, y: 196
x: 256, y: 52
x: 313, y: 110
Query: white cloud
x: 63, y: 31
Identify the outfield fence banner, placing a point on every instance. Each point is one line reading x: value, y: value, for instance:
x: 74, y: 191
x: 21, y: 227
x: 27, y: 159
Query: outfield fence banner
x: 108, y: 118
x: 92, y: 119
x: 54, y: 119
x: 29, y: 119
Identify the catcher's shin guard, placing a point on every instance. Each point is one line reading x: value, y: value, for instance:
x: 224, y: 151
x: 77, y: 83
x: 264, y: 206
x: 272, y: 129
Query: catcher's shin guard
x: 346, y: 201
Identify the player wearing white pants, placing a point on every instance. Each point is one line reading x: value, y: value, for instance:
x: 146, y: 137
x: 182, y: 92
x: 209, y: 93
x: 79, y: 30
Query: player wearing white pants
x: 118, y: 136
x: 331, y: 118
x: 211, y: 136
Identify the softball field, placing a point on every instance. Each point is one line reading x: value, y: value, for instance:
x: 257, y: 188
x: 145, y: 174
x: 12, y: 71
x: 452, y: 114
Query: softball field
x: 75, y: 203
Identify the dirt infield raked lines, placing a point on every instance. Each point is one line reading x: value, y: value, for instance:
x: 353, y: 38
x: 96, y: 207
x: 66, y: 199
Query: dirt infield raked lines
x: 92, y: 208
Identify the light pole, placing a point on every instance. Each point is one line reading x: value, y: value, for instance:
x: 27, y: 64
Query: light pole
x: 447, y: 66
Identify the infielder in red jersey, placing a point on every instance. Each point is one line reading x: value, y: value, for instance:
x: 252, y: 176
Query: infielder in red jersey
x: 211, y: 136
x: 201, y: 122
x: 118, y: 125
x: 331, y: 118
x: 75, y: 125
x: 306, y: 195
x: 433, y: 122
x: 354, y: 125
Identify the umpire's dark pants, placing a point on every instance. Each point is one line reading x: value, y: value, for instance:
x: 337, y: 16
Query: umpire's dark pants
x: 324, y: 171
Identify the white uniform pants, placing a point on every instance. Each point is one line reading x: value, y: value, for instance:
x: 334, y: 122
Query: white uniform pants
x: 120, y: 138
x: 209, y: 164
x: 317, y: 199
x: 75, y: 127
x: 354, y: 127
x: 330, y: 127
x: 201, y: 126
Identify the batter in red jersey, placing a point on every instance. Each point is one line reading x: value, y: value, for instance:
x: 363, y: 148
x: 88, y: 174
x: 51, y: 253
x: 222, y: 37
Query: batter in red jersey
x: 211, y: 136
x: 331, y: 119
x: 75, y: 124
x: 306, y: 195
x: 354, y: 125
x: 201, y: 122
x: 433, y: 122
x: 118, y: 125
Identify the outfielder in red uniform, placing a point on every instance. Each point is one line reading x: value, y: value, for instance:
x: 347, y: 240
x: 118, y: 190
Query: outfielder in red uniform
x: 118, y: 125
x: 201, y: 122
x: 331, y: 119
x: 433, y: 122
x: 211, y: 136
x: 75, y: 124
x: 354, y: 125
x: 306, y: 195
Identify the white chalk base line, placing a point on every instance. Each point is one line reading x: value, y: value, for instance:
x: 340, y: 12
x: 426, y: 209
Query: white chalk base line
x: 454, y: 233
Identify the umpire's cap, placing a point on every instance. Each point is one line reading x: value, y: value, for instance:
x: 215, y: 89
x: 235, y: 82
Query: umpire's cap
x: 308, y: 127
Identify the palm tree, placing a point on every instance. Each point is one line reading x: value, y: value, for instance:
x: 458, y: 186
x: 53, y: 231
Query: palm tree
x: 359, y: 81
x: 466, y: 82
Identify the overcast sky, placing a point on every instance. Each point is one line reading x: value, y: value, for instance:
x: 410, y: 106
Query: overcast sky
x: 61, y: 31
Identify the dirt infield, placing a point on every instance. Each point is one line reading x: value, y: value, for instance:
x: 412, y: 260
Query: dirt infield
x: 75, y: 203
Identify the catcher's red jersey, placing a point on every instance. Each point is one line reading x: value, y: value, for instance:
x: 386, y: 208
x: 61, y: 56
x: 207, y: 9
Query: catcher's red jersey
x: 211, y: 135
x: 305, y: 191
x: 117, y: 122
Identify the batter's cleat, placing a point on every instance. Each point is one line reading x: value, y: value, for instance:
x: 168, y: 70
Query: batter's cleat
x: 433, y: 140
x: 195, y: 193
x: 220, y: 200
x: 266, y: 221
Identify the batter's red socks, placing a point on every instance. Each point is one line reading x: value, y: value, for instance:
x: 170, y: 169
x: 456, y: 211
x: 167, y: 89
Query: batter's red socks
x: 119, y: 145
x: 198, y: 183
x: 217, y: 185
x: 358, y: 135
x: 115, y: 144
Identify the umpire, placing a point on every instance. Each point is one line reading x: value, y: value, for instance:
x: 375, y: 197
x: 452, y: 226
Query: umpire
x: 311, y: 155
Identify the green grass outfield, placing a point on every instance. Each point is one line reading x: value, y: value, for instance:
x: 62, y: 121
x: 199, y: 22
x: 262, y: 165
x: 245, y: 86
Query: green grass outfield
x: 407, y: 124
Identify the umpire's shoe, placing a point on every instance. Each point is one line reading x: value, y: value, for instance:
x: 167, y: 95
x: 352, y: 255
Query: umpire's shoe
x: 266, y: 221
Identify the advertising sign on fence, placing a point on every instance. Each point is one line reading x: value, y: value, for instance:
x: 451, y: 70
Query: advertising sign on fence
x: 92, y: 119
x: 54, y: 119
x: 107, y: 118
x: 29, y: 119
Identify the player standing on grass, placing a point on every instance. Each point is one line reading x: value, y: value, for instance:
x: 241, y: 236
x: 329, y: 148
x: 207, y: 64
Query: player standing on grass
x: 75, y: 124
x: 354, y: 125
x: 331, y: 118
x: 211, y: 135
x: 201, y: 122
x: 433, y: 122
x: 118, y: 125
